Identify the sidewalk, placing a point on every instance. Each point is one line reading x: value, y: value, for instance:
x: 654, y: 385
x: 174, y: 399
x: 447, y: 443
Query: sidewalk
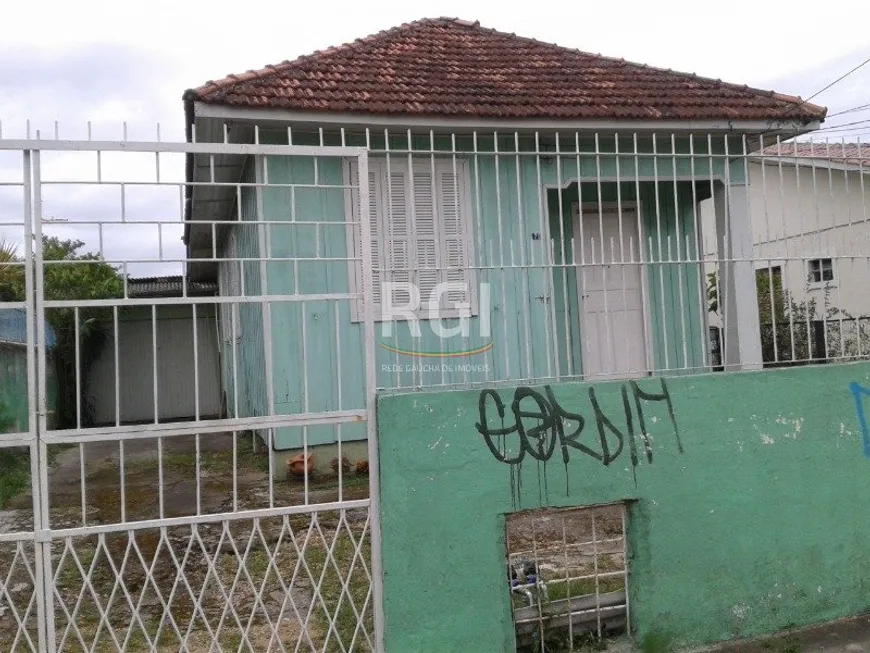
x: 850, y: 635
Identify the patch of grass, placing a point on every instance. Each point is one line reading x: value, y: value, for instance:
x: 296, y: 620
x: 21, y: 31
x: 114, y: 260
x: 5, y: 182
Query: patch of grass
x: 216, y: 463
x: 54, y: 452
x: 590, y: 642
x: 584, y: 587
x: 789, y: 644
x: 559, y: 641
x: 257, y: 563
x: 348, y: 481
x: 657, y: 642
x: 14, y: 474
x: 338, y: 608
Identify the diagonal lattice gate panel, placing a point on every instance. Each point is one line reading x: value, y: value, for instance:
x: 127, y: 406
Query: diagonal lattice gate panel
x: 299, y: 582
x: 17, y: 596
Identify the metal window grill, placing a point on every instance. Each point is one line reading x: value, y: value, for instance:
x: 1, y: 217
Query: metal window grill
x: 609, y: 255
x: 567, y: 576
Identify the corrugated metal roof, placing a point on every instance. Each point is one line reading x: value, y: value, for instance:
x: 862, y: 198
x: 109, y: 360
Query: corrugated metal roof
x: 168, y: 287
x: 13, y: 327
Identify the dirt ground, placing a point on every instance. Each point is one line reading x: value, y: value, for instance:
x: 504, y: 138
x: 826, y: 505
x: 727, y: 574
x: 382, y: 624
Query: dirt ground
x: 567, y: 542
x: 241, y: 585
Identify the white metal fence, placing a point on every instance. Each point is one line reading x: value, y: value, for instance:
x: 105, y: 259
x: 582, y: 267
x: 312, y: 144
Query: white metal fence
x: 176, y: 535
x: 583, y: 255
x: 523, y: 257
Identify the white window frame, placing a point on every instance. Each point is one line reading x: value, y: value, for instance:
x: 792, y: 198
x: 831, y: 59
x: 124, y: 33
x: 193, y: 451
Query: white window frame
x: 831, y: 283
x: 380, y: 165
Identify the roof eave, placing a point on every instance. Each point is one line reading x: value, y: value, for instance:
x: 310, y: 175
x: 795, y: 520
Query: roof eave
x: 206, y: 110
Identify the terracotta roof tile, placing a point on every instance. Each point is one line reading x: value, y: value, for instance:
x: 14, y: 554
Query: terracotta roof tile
x: 455, y: 68
x: 845, y: 153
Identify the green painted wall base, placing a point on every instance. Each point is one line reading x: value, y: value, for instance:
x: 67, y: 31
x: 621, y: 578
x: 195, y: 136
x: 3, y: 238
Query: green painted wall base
x: 762, y: 523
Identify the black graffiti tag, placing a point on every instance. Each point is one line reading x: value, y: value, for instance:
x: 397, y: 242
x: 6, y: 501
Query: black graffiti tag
x: 541, y: 423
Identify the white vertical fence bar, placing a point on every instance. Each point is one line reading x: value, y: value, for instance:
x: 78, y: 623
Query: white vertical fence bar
x: 371, y: 403
x: 42, y: 543
x: 40, y: 515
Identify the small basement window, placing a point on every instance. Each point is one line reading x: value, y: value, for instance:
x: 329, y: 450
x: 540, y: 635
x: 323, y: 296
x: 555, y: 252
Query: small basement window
x: 821, y: 270
x: 567, y: 576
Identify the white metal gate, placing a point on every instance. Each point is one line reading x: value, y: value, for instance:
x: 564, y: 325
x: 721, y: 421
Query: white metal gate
x: 186, y: 536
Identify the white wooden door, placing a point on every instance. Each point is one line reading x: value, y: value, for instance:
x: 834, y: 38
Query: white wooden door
x: 610, y: 284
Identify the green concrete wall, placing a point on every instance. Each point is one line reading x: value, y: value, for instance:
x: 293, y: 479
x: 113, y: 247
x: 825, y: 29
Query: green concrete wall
x: 248, y: 370
x: 760, y: 524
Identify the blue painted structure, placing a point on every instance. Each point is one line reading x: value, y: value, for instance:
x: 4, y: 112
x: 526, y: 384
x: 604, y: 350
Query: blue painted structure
x: 14, y: 404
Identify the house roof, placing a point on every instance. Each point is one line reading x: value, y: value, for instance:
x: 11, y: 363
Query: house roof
x: 168, y: 287
x: 854, y: 154
x: 455, y: 68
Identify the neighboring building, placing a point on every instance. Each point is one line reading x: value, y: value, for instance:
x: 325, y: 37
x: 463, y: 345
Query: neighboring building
x: 181, y: 349
x: 810, y: 214
x: 822, y: 216
x: 485, y: 148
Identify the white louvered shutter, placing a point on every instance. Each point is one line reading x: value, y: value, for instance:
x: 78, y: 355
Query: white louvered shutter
x: 397, y: 219
x: 375, y: 231
x: 455, y: 254
x: 418, y: 230
x: 426, y: 245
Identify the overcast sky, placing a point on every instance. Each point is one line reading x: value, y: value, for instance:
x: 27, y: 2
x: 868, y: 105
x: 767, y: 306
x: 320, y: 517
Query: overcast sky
x: 110, y: 62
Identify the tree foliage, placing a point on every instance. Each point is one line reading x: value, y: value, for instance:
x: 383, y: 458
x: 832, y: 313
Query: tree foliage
x: 792, y: 332
x: 69, y: 274
x: 11, y: 272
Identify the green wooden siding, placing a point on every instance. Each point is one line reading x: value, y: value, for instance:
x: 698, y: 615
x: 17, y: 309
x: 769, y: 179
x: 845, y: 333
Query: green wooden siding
x: 250, y: 364
x: 304, y: 334
x: 513, y: 198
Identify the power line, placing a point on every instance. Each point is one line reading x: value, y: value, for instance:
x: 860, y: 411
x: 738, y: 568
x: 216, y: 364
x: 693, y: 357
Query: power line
x: 841, y: 137
x: 826, y: 87
x: 838, y: 80
x: 841, y: 126
x: 862, y: 107
x: 841, y: 133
